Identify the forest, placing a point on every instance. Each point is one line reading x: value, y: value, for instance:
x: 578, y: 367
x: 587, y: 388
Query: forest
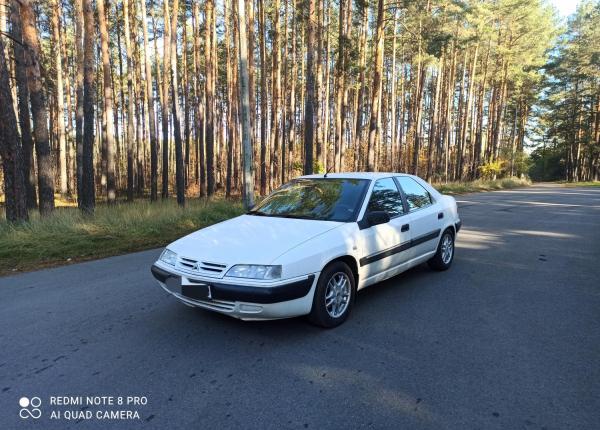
x: 112, y: 101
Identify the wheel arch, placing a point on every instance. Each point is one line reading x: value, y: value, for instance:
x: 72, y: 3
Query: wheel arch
x: 350, y: 261
x: 452, y: 229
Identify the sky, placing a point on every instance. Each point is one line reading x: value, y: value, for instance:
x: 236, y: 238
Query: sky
x: 565, y: 7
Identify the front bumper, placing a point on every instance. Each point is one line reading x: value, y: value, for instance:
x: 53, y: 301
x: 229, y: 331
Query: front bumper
x: 249, y: 302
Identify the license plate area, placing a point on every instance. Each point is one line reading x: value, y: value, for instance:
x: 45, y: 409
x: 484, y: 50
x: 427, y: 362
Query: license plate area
x: 173, y: 284
x: 195, y: 291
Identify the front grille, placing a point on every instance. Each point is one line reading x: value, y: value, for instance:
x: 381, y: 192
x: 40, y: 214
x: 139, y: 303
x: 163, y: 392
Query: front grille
x: 204, y: 267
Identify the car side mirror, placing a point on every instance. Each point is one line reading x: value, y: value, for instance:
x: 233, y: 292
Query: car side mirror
x: 378, y: 217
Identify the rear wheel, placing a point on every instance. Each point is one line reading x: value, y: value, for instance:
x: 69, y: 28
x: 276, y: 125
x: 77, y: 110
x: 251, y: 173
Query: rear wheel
x: 442, y: 259
x: 334, y: 295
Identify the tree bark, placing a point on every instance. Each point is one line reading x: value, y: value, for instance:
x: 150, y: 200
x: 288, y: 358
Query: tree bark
x: 23, y: 105
x: 251, y: 81
x: 10, y: 149
x: 38, y: 108
x: 88, y: 202
x: 79, y: 98
x: 263, y: 100
x: 248, y: 194
x: 340, y: 84
x: 199, y: 114
x: 275, y: 94
x: 179, y: 167
x: 209, y: 50
x: 150, y: 101
x: 309, y: 120
x: 377, y: 88
x: 230, y: 99
x: 59, y: 94
x: 109, y: 131
x: 130, y: 103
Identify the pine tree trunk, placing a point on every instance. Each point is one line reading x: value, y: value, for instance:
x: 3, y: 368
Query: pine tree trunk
x: 179, y: 167
x: 248, y: 194
x: 210, y: 60
x: 340, y: 85
x: 23, y: 105
x: 38, y: 108
x: 70, y: 158
x: 465, y: 126
x: 201, y: 169
x: 88, y: 202
x: 319, y: 147
x: 309, y: 107
x: 230, y: 102
x: 186, y: 104
x: 275, y: 94
x: 79, y: 98
x: 377, y: 88
x: 359, y: 94
x: 291, y: 115
x: 130, y: 103
x: 461, y: 116
x: 263, y: 100
x: 10, y: 149
x: 393, y: 121
x: 59, y: 94
x: 150, y: 101
x: 249, y: 9
x: 109, y: 131
x: 326, y: 108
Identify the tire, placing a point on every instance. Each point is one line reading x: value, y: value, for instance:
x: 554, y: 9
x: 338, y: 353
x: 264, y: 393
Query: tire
x: 441, y: 260
x: 336, y: 280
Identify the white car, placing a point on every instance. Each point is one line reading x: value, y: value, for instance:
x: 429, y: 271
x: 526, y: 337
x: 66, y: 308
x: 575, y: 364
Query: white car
x: 309, y: 246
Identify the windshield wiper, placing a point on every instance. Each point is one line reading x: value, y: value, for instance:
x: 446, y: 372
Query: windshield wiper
x: 257, y: 213
x: 296, y: 216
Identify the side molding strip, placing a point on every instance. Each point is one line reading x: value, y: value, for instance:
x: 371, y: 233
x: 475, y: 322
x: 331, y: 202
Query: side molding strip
x: 400, y: 248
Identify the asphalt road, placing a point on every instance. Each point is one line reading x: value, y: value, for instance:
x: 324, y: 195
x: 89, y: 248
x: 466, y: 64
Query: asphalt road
x: 508, y: 338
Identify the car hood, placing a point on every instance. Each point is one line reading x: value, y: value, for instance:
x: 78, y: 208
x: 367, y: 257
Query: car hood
x: 249, y: 239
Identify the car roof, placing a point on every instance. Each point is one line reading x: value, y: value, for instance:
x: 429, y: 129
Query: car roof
x: 357, y: 175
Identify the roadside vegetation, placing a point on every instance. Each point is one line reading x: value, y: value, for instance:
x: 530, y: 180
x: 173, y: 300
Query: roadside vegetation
x: 68, y: 235
x: 481, y: 185
x: 581, y: 184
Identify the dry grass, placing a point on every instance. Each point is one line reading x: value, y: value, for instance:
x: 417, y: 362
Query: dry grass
x: 581, y: 184
x: 68, y: 236
x: 481, y: 185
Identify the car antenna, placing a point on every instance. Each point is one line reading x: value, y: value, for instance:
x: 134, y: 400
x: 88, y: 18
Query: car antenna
x: 327, y: 172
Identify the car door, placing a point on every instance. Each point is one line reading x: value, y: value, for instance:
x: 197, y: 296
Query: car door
x: 383, y: 245
x: 424, y: 215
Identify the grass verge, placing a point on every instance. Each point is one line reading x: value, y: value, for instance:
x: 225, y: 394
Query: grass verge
x: 68, y: 236
x: 481, y: 185
x: 581, y: 184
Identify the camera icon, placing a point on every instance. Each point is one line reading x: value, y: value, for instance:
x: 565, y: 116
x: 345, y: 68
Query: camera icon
x: 30, y: 407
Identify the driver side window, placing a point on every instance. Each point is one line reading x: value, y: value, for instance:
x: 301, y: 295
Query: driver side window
x: 386, y: 197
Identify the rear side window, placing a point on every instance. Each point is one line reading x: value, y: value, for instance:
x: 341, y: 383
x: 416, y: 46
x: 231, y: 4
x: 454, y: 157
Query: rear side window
x: 417, y: 197
x: 386, y: 197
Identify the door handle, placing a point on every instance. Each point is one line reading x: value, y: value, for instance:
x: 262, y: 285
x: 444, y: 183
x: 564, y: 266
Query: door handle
x: 405, y: 227
x: 441, y: 215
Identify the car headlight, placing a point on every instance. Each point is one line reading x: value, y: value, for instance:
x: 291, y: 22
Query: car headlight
x: 168, y: 257
x: 254, y: 271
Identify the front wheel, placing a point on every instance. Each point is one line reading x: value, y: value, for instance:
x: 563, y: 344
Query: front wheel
x: 445, y: 252
x: 334, y: 296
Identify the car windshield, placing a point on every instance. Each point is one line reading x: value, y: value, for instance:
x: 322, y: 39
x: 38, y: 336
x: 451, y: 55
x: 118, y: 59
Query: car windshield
x: 325, y: 199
